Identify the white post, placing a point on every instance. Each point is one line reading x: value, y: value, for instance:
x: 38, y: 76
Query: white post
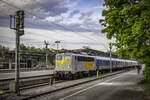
x: 110, y: 46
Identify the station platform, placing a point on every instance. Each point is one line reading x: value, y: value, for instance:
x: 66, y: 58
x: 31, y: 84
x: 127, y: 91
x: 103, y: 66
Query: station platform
x: 10, y: 76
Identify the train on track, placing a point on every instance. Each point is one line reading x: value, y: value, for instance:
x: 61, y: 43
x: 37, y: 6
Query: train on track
x: 70, y: 65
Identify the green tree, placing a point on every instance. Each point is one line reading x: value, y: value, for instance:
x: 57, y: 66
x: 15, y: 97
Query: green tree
x: 128, y: 21
x: 3, y: 51
x: 23, y: 47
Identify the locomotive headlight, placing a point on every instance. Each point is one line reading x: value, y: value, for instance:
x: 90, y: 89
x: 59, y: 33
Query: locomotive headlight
x: 68, y: 66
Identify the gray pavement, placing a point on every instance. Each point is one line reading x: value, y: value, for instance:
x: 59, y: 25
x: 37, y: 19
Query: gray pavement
x: 117, y: 87
x: 121, y: 87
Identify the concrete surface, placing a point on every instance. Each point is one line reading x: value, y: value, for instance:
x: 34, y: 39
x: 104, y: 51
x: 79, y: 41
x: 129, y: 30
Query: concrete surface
x: 122, y: 87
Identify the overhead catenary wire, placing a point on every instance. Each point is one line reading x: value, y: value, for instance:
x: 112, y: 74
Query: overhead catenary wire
x: 48, y: 21
x: 39, y: 17
x: 52, y: 42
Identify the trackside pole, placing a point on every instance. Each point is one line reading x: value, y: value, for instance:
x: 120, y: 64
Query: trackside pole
x: 97, y: 73
x: 52, y: 80
x: 110, y: 46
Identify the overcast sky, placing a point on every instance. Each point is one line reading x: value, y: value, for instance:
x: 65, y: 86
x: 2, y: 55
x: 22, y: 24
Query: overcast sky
x: 74, y: 22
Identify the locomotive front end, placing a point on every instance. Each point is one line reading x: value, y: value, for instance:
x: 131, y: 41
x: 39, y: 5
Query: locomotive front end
x: 63, y: 62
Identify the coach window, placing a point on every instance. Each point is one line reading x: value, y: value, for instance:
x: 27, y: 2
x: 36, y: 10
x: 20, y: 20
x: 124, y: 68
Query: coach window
x: 75, y: 57
x: 82, y: 58
x: 79, y: 58
x: 107, y: 62
x: 87, y: 59
x: 112, y: 62
x: 104, y: 62
x: 101, y: 62
x: 91, y: 59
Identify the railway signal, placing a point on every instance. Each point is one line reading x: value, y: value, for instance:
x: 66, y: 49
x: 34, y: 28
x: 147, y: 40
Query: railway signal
x: 18, y: 25
x: 20, y: 22
x: 17, y: 22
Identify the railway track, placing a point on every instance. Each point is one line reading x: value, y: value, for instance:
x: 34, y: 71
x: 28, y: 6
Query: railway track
x: 25, y: 82
x: 23, y: 70
x: 41, y: 84
x: 38, y: 82
x: 29, y: 91
x: 28, y: 82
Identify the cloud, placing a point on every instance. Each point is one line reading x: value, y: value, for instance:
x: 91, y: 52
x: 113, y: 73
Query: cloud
x: 50, y: 24
x: 38, y: 7
x: 54, y: 23
x: 7, y: 37
x: 4, y: 21
x: 73, y: 13
x: 48, y: 10
x: 100, y: 7
x: 69, y: 40
x: 86, y: 15
x: 77, y: 39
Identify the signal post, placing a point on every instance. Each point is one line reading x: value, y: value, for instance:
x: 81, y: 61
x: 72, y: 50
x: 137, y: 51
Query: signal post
x: 18, y: 25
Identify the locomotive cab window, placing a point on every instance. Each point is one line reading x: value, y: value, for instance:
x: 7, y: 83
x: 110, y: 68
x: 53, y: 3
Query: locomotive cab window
x: 59, y: 57
x: 67, y: 58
